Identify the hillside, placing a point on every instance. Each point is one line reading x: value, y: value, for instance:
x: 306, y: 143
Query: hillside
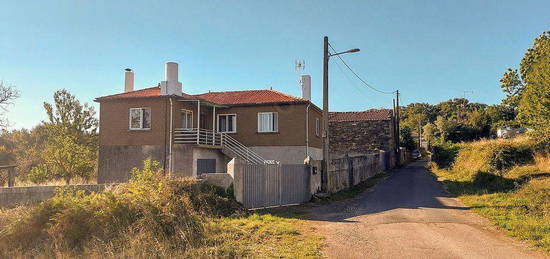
x: 503, y: 180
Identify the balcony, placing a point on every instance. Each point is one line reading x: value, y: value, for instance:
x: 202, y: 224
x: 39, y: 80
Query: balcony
x: 211, y: 139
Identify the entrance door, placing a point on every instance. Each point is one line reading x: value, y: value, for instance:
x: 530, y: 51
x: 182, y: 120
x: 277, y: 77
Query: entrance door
x: 206, y: 166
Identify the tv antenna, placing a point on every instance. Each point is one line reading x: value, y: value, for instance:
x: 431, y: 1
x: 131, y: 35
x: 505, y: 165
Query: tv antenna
x: 300, y: 65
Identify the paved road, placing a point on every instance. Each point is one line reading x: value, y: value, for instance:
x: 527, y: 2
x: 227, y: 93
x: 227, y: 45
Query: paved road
x: 409, y: 215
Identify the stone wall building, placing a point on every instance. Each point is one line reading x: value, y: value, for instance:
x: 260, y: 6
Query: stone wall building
x: 364, y: 132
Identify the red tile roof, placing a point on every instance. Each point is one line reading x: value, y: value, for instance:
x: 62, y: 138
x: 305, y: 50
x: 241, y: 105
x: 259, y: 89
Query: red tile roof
x: 141, y: 93
x: 368, y: 115
x: 249, y: 97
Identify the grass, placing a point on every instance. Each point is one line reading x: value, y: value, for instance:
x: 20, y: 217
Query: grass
x: 516, y: 200
x: 260, y: 236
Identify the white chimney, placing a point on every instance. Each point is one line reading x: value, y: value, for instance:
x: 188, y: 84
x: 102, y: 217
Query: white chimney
x: 171, y: 85
x: 128, y: 80
x: 305, y: 82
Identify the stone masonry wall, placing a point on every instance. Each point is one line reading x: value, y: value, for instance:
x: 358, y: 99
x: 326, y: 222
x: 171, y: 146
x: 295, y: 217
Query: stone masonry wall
x: 360, y: 137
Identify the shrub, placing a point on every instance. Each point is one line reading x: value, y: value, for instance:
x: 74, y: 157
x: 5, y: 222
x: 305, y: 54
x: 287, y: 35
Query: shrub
x: 490, y: 156
x: 444, y: 153
x: 505, y: 156
x: 151, y: 212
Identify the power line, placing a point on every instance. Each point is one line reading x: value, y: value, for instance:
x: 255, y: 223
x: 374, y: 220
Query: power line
x: 359, y: 89
x: 358, y: 77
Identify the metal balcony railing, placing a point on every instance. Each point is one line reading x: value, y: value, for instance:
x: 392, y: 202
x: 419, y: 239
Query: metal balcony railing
x: 228, y: 144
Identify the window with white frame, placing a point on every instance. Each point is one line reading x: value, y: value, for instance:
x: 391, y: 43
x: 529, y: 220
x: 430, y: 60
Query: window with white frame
x: 317, y: 127
x: 268, y: 122
x: 186, y: 119
x: 140, y: 118
x: 227, y: 123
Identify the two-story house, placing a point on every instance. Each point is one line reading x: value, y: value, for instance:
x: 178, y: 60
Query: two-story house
x: 195, y: 134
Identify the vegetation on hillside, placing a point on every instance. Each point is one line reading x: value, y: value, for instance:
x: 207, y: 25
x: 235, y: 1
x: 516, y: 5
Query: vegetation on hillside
x: 151, y: 216
x: 504, y: 180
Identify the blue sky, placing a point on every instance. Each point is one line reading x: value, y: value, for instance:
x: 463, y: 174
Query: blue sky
x: 430, y: 50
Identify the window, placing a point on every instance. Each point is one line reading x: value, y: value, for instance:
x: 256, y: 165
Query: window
x: 227, y: 123
x: 268, y: 122
x: 317, y: 127
x: 186, y: 119
x: 140, y: 118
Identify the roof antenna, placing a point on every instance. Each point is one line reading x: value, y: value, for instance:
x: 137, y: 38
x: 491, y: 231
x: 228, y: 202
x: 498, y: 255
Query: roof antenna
x: 299, y: 66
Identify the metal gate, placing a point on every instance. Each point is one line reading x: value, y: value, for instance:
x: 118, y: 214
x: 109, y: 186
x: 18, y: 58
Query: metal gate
x: 272, y: 185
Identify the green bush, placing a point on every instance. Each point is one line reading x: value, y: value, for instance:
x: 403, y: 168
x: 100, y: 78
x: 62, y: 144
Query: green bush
x: 444, y: 153
x: 508, y: 155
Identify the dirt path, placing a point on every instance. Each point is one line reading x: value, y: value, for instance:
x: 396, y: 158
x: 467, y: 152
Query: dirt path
x: 409, y: 215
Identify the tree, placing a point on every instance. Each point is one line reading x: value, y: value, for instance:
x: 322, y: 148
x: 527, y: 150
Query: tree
x: 444, y: 127
x: 416, y: 114
x: 512, y: 85
x: 7, y: 95
x: 534, y: 106
x: 405, y: 138
x: 70, y: 117
x: 23, y: 148
x: 64, y: 158
x: 429, y: 132
x: 71, y: 146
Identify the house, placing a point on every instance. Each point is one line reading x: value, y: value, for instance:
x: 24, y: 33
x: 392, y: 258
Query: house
x: 192, y: 135
x: 361, y: 132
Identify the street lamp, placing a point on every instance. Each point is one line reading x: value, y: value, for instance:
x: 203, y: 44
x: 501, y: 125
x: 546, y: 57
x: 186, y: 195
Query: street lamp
x: 326, y: 57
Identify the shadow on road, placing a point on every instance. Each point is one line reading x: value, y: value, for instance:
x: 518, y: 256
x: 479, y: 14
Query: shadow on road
x: 411, y: 187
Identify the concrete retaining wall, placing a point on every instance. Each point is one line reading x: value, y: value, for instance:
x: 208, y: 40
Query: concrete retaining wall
x: 14, y: 196
x: 347, y: 171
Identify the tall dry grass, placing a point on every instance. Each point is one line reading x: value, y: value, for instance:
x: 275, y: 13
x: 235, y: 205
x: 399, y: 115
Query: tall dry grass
x: 150, y: 215
x: 542, y: 162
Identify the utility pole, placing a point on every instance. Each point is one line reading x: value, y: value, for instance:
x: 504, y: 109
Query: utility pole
x: 326, y: 152
x: 397, y: 123
x: 419, y: 135
x: 324, y: 173
x: 395, y: 135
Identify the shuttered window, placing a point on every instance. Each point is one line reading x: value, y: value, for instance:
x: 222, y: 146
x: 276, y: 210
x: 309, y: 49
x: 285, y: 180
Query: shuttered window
x: 268, y: 122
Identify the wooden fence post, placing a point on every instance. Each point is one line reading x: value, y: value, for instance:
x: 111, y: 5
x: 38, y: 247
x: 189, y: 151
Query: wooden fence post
x: 11, y: 176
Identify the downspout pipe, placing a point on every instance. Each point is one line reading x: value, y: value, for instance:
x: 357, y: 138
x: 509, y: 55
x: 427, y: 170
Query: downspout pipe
x: 307, y: 129
x: 170, y: 164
